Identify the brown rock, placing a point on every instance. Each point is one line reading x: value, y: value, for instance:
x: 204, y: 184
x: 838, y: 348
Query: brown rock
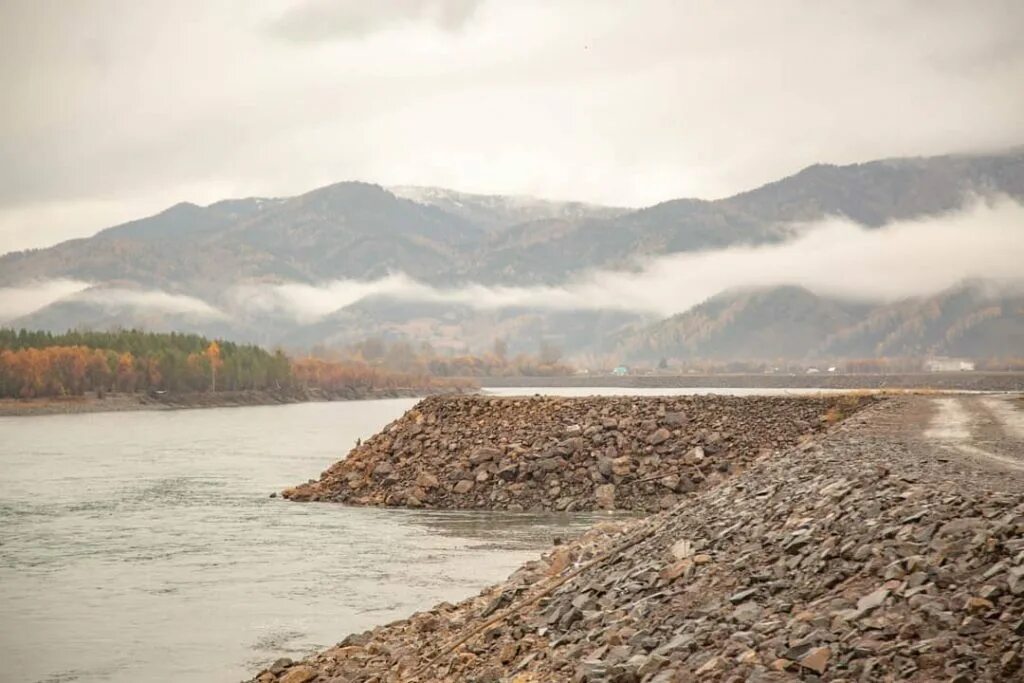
x: 817, y: 659
x: 484, y: 454
x: 622, y: 465
x: 676, y: 569
x: 561, y: 560
x: 604, y: 495
x: 299, y: 494
x: 426, y: 480
x: 508, y: 652
x: 659, y: 436
x: 710, y: 666
x: 976, y: 605
x: 299, y: 674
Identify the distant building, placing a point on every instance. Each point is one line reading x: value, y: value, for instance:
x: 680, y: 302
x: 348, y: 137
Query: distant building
x: 943, y: 364
x: 813, y: 371
x: 620, y: 371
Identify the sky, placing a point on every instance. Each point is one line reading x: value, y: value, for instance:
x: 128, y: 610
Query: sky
x: 115, y: 110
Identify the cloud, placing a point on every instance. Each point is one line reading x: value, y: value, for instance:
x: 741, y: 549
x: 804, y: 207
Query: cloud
x: 24, y: 299
x: 307, y: 303
x: 325, y: 20
x: 834, y: 257
x: 30, y: 297
x: 147, y: 300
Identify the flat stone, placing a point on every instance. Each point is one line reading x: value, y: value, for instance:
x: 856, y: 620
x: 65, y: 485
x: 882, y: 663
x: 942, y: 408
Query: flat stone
x: 747, y: 613
x: 484, y: 454
x: 817, y: 659
x: 742, y: 595
x: 659, y: 436
x: 713, y: 664
x: 682, y: 549
x: 872, y: 601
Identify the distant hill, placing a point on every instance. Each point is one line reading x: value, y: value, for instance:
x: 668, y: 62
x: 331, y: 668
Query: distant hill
x: 769, y: 323
x: 977, y: 320
x: 361, y: 231
x: 348, y: 230
x: 974, y: 320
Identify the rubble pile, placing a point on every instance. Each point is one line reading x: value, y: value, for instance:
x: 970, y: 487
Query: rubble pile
x: 551, y: 453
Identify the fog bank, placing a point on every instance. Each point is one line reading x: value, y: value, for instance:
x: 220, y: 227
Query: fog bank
x: 835, y: 257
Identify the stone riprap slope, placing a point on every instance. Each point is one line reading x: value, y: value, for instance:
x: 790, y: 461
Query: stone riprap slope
x: 864, y: 556
x: 551, y: 453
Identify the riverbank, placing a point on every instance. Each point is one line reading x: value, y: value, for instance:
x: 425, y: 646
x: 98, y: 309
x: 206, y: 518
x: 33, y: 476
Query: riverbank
x: 567, y: 454
x: 117, y: 402
x: 885, y: 549
x: 945, y: 381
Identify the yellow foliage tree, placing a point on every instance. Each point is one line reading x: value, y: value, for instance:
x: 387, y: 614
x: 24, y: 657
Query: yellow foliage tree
x: 212, y: 354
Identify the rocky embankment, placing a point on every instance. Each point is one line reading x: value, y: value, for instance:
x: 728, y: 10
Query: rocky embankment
x: 551, y: 453
x: 856, y: 556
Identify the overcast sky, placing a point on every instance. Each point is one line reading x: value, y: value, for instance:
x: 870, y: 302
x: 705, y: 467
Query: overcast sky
x: 113, y: 110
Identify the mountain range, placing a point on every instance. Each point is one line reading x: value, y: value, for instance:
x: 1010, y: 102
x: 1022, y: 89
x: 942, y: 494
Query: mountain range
x: 449, y: 240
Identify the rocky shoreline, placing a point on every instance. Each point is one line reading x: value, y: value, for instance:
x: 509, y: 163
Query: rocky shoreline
x: 566, y: 454
x: 863, y: 554
x: 183, y: 400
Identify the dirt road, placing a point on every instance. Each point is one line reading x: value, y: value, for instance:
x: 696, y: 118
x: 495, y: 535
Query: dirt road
x: 989, y: 429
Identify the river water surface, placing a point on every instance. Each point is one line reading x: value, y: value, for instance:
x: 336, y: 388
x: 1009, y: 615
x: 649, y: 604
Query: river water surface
x: 143, y: 546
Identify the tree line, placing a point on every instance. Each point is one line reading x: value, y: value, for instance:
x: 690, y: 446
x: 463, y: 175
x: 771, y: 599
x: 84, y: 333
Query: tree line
x: 43, y: 364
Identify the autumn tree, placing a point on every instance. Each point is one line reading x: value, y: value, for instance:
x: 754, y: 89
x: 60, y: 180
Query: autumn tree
x: 212, y: 354
x: 125, y: 374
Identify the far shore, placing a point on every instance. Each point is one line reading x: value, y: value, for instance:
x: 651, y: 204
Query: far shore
x: 946, y: 381
x: 118, y: 402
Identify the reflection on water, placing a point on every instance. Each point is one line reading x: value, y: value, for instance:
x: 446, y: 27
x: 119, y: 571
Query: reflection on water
x: 144, y: 547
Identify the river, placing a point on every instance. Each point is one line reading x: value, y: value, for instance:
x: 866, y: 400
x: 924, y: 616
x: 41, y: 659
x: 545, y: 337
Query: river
x: 144, y: 546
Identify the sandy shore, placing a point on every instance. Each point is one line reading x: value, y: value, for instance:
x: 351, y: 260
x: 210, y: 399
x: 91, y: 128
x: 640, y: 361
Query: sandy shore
x: 178, y: 401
